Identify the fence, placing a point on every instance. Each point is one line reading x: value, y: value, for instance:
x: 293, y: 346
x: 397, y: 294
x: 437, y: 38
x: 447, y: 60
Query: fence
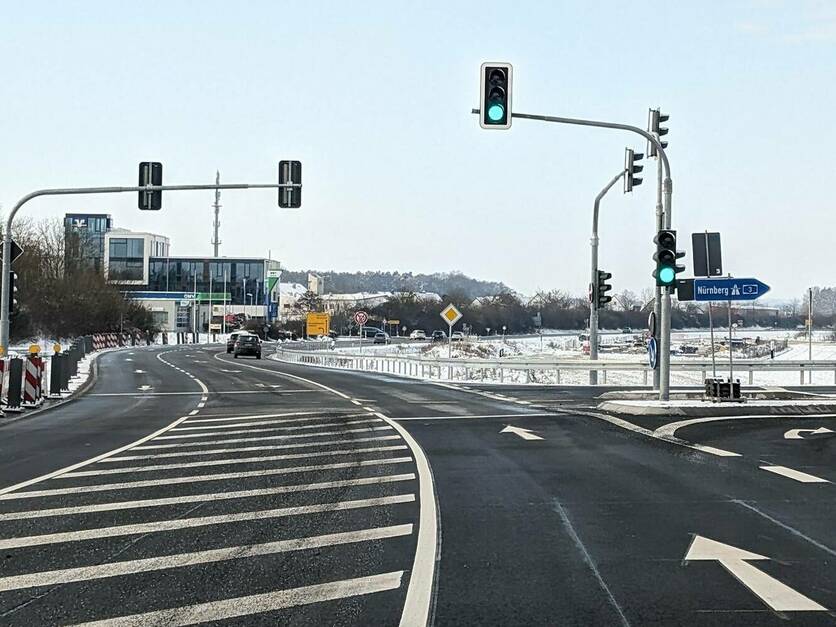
x: 564, y: 371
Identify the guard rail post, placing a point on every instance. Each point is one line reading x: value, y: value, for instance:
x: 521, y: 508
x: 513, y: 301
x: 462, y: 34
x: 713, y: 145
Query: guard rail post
x: 15, y: 385
x: 55, y: 364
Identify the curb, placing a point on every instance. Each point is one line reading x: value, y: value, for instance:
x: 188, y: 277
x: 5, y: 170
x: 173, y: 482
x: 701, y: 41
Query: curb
x: 716, y: 409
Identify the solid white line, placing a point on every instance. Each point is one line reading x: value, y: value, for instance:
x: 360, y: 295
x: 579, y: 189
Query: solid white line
x: 213, y: 393
x: 293, y: 436
x: 803, y: 477
x: 517, y: 415
x: 61, y: 471
x: 258, y: 603
x: 198, y: 498
x: 129, y: 567
x: 127, y: 485
x: 245, y: 449
x: 202, y: 521
x: 255, y: 423
x: 234, y: 460
x: 260, y: 416
x: 267, y: 430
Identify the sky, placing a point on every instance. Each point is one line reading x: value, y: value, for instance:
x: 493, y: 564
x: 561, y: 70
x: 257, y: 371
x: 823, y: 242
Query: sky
x: 375, y: 97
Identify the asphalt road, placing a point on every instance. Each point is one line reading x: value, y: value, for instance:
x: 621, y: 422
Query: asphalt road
x: 276, y: 494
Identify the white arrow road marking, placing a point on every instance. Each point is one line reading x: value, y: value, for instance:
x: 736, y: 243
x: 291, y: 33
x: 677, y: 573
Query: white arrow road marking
x: 795, y: 434
x: 803, y: 477
x: 776, y: 595
x: 145, y: 388
x: 139, y: 371
x: 525, y: 434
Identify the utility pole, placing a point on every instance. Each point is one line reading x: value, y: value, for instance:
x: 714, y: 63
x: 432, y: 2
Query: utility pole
x: 810, y: 332
x: 216, y: 242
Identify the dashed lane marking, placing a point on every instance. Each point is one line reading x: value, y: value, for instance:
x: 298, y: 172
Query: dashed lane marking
x: 258, y: 603
x: 181, y: 560
x: 202, y: 521
x: 127, y: 485
x: 213, y: 496
x: 803, y: 477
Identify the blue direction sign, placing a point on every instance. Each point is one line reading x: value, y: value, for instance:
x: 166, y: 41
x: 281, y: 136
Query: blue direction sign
x: 729, y: 289
x: 652, y: 353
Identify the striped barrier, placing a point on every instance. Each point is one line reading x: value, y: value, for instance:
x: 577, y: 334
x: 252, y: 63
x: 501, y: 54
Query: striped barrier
x: 31, y: 381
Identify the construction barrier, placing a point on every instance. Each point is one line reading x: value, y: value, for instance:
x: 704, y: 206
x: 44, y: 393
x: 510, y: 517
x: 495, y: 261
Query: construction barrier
x: 15, y: 384
x: 31, y: 381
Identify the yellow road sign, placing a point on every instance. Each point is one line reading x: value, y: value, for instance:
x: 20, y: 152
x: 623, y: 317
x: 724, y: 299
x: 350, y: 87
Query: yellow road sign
x: 317, y: 324
x: 451, y: 315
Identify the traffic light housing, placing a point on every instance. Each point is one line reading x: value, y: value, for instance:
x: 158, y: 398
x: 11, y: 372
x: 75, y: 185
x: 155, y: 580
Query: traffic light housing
x: 290, y: 172
x: 495, y: 95
x: 654, y: 125
x: 601, y: 289
x: 150, y: 173
x: 12, y: 292
x: 631, y: 168
x: 666, y: 258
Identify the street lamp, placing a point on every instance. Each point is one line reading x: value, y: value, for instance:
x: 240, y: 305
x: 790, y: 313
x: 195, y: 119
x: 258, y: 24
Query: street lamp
x: 252, y: 298
x: 503, y: 332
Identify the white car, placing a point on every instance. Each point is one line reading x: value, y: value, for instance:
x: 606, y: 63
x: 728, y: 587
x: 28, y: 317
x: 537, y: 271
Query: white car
x: 417, y: 334
x: 457, y: 336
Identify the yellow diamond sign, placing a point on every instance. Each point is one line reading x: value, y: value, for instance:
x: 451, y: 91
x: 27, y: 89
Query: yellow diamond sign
x: 451, y: 315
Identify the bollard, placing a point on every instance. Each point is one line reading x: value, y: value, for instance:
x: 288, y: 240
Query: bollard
x: 55, y: 375
x: 4, y: 364
x: 15, y: 384
x: 30, y: 381
x: 65, y: 372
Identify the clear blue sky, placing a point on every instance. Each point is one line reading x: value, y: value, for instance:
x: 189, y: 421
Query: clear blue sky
x: 375, y: 99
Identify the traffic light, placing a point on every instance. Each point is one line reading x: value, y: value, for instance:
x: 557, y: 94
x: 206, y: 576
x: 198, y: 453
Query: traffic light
x: 601, y: 289
x: 665, y: 258
x: 630, y: 168
x: 654, y: 120
x: 150, y: 173
x: 290, y: 172
x: 12, y: 292
x: 495, y: 95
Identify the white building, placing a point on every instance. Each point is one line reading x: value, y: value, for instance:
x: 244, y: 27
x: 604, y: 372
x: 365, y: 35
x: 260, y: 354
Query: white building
x: 127, y: 254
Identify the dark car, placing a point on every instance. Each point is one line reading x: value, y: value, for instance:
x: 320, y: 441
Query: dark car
x: 230, y: 343
x: 381, y: 338
x: 439, y: 336
x: 248, y: 345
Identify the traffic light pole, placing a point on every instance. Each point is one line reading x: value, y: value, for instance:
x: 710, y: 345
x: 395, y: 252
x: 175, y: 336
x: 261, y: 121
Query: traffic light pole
x: 7, y: 232
x: 666, y: 191
x: 657, y: 300
x: 593, y: 301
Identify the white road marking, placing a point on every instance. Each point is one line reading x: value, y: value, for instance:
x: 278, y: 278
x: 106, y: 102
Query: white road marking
x: 145, y: 387
x: 127, y: 485
x: 795, y: 434
x: 292, y: 436
x: 518, y: 415
x: 803, y: 477
x: 202, y: 521
x: 244, y: 449
x: 267, y: 429
x: 258, y: 603
x: 234, y: 460
x: 255, y: 423
x: 214, y: 393
x: 775, y: 594
x: 525, y: 434
x: 260, y: 416
x: 198, y: 498
x: 139, y: 371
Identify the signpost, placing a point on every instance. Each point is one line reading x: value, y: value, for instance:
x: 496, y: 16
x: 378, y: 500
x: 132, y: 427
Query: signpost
x: 361, y: 318
x: 451, y: 316
x: 728, y: 289
x: 17, y: 251
x: 317, y: 324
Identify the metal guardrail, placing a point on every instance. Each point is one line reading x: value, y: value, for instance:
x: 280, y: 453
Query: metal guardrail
x: 474, y: 370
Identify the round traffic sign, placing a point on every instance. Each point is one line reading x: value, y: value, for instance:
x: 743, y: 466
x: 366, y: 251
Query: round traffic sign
x: 361, y: 317
x: 652, y: 353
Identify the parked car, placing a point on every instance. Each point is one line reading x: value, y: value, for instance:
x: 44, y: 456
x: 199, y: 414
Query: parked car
x: 233, y: 337
x: 381, y: 338
x: 418, y: 334
x: 370, y: 331
x: 439, y: 336
x: 248, y: 345
x: 457, y: 336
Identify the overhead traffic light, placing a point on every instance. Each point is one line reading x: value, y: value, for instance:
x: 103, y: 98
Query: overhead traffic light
x: 630, y: 168
x: 601, y: 289
x: 654, y: 120
x: 12, y: 292
x: 150, y: 173
x: 665, y: 258
x: 495, y: 95
x: 290, y: 172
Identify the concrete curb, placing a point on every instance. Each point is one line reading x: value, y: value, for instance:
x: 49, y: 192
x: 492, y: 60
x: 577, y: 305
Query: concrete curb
x: 715, y: 409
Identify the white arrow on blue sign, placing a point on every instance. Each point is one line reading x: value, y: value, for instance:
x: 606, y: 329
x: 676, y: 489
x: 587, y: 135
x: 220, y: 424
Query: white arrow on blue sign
x: 729, y: 289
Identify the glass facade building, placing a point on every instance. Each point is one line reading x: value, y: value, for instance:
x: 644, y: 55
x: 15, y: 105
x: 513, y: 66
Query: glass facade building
x: 84, y: 237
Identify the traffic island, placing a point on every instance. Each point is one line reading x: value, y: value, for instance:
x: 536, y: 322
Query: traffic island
x: 705, y: 408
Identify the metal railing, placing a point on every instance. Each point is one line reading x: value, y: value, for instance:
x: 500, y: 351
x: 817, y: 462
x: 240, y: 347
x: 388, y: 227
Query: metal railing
x: 510, y: 370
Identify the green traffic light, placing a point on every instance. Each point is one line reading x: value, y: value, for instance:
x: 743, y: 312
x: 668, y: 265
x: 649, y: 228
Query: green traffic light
x: 496, y: 112
x: 667, y: 274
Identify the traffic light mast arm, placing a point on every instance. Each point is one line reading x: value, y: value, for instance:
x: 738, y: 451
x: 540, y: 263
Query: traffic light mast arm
x: 7, y: 232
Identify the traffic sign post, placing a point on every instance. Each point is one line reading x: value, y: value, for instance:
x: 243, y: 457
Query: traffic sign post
x: 451, y: 316
x: 361, y: 318
x: 729, y: 289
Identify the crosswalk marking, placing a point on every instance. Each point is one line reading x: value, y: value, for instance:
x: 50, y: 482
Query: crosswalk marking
x: 257, y: 603
x: 232, y: 461
x: 268, y: 429
x: 290, y: 436
x: 256, y: 423
x: 198, y: 478
x: 129, y: 567
x: 202, y: 521
x: 212, y: 496
x: 261, y: 416
x: 245, y: 449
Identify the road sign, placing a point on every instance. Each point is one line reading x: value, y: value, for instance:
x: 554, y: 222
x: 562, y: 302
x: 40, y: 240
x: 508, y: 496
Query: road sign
x: 361, y: 317
x: 17, y: 251
x: 451, y: 315
x: 729, y: 289
x: 707, y: 258
x: 290, y: 172
x: 317, y: 324
x: 652, y: 353
x: 651, y: 324
x: 150, y: 173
